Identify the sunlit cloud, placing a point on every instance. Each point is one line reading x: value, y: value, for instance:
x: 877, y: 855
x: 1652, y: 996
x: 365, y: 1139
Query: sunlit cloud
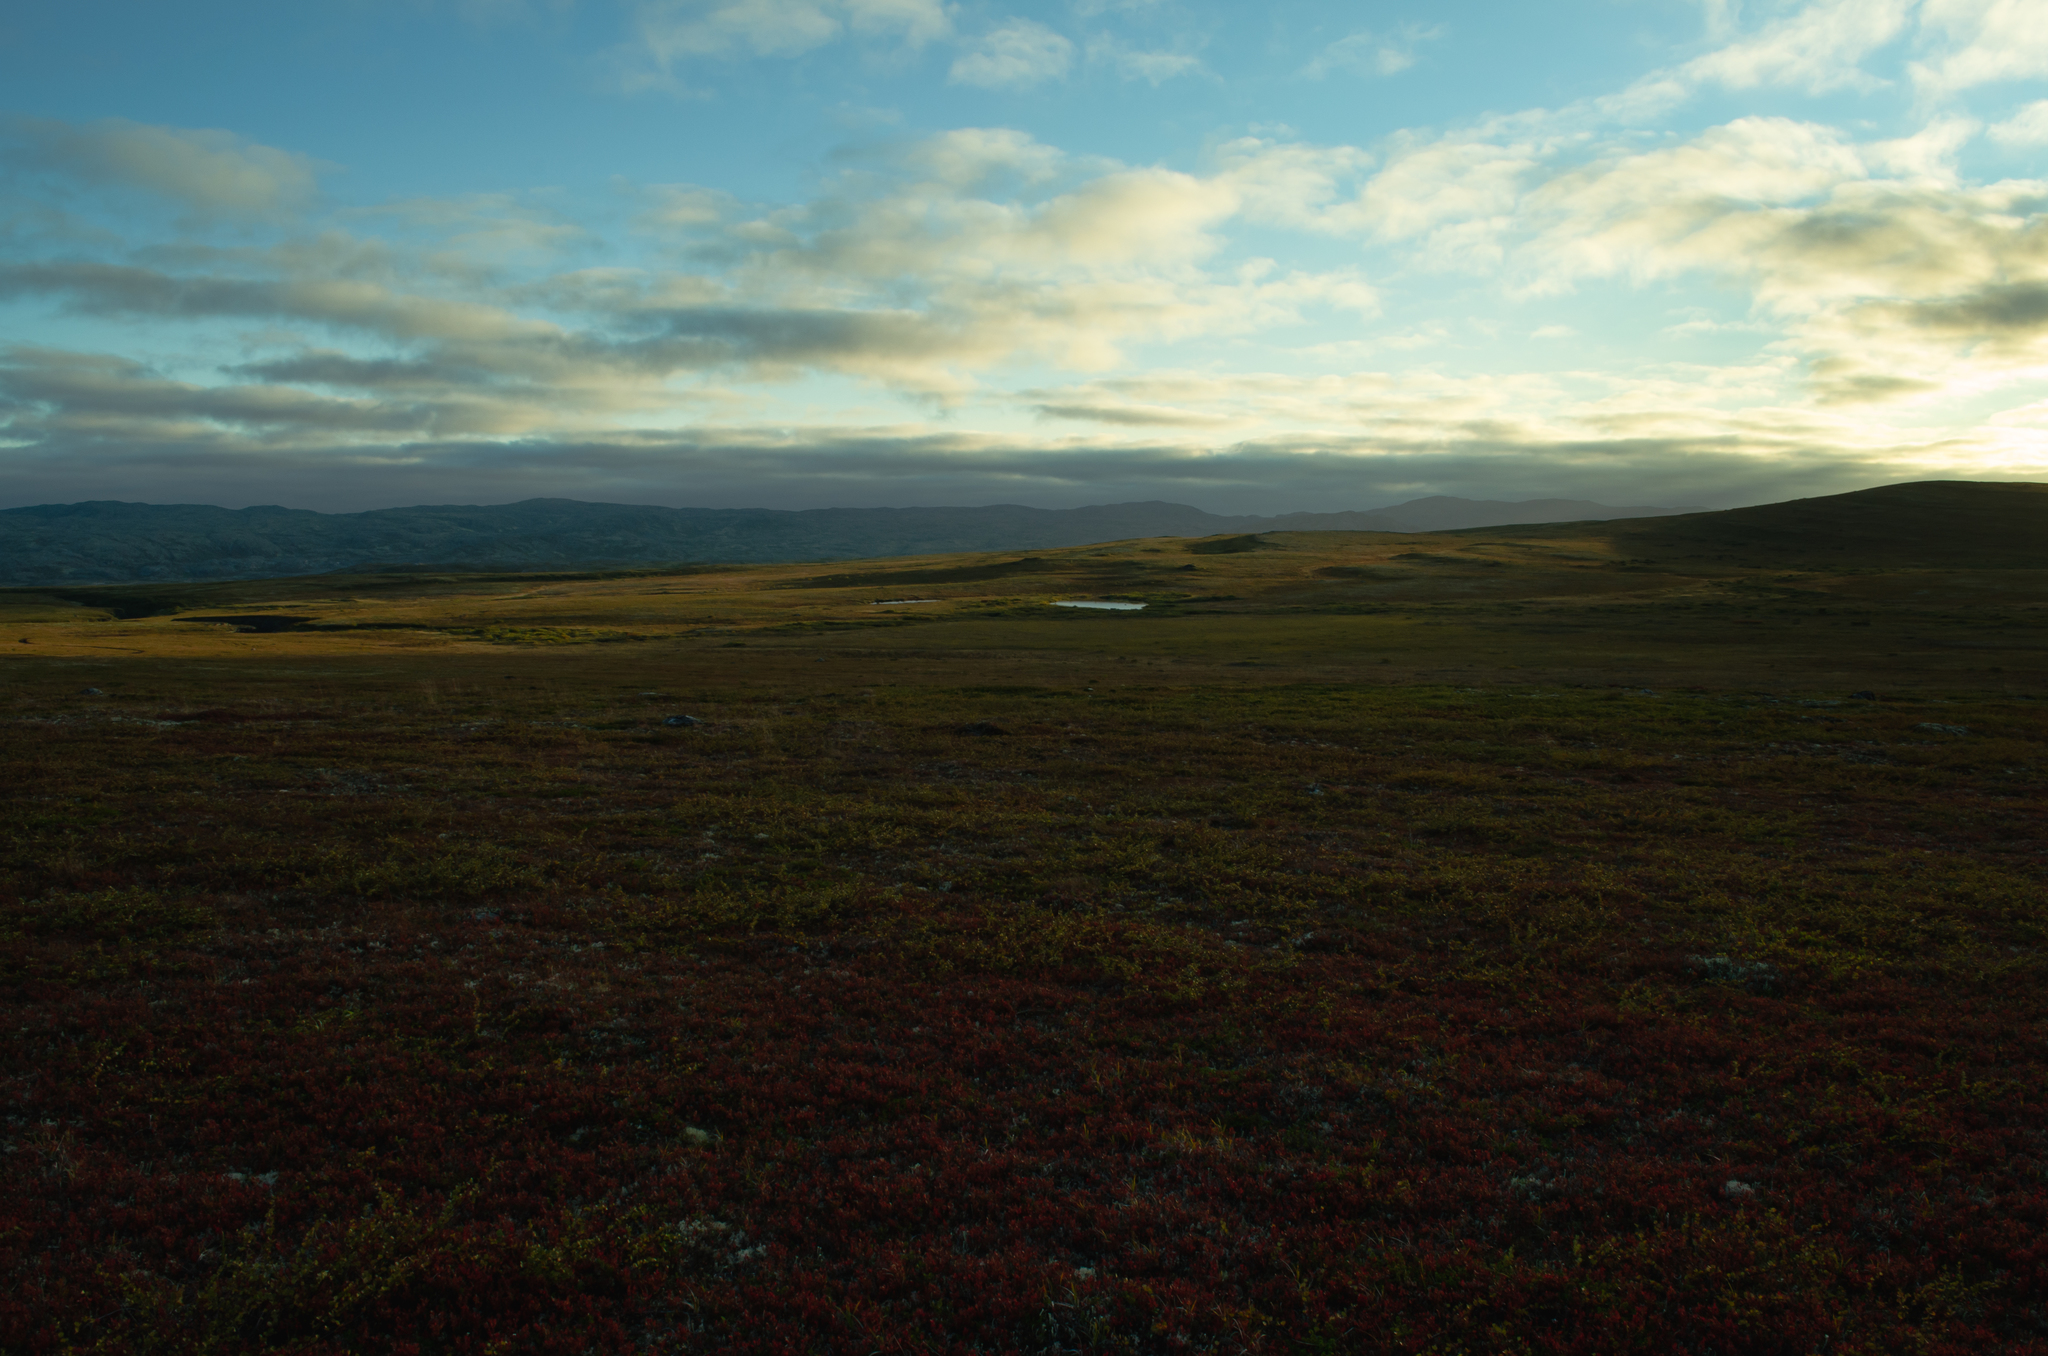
x: 675, y: 29
x: 209, y: 172
x: 2028, y: 127
x: 1372, y: 54
x: 1982, y: 42
x: 1016, y: 56
x: 1638, y: 285
x: 1817, y: 48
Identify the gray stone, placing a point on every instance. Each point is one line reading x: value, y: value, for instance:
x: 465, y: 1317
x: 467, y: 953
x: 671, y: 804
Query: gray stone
x: 1760, y: 977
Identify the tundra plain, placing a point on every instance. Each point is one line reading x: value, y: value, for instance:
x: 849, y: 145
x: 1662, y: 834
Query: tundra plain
x: 1586, y: 938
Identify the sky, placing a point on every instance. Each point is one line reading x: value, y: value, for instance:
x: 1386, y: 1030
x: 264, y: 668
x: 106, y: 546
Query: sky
x: 1302, y: 255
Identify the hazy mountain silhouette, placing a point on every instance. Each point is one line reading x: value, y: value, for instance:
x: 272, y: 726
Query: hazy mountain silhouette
x: 107, y: 541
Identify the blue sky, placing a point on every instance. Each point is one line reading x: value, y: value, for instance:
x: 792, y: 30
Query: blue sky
x: 800, y: 253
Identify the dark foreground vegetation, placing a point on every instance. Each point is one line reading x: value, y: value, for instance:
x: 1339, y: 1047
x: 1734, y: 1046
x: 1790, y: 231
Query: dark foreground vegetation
x: 1041, y: 1000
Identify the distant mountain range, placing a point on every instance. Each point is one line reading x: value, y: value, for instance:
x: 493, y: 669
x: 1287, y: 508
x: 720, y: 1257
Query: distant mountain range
x: 107, y: 541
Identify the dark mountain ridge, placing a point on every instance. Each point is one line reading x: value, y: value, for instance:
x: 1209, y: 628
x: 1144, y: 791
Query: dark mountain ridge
x: 1974, y: 524
x: 110, y: 541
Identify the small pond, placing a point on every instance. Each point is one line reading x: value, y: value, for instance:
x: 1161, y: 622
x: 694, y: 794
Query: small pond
x: 1107, y: 607
x: 903, y: 602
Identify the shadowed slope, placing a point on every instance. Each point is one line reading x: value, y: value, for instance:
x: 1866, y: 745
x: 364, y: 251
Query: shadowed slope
x: 1985, y: 524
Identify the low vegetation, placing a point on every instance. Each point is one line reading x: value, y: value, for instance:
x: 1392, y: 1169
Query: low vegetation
x: 1350, y: 953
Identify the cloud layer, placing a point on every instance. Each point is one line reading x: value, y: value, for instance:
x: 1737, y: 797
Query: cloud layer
x: 1489, y: 306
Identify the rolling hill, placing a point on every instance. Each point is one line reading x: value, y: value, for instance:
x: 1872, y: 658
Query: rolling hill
x: 1981, y: 524
x: 108, y: 541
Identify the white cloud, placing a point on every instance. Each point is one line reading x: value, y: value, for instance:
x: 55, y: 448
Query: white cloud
x: 1459, y: 188
x: 1816, y: 49
x: 967, y: 158
x: 1704, y: 202
x: 1986, y: 41
x: 1368, y: 53
x: 673, y: 29
x: 1719, y: 16
x: 211, y: 173
x: 1154, y: 68
x: 1809, y: 218
x: 2028, y: 127
x: 953, y: 258
x: 1018, y: 55
x: 1928, y: 155
x: 918, y: 21
x: 1294, y: 185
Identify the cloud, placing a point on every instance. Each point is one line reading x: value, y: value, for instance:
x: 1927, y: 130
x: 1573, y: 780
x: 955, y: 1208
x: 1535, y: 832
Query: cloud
x: 101, y: 397
x: 1704, y: 202
x: 1371, y: 54
x: 1816, y: 49
x: 1458, y: 193
x: 173, y: 445
x: 1298, y: 186
x: 668, y: 32
x: 1016, y: 56
x: 484, y: 228
x: 922, y: 272
x: 1997, y: 314
x: 983, y: 246
x: 1153, y: 67
x: 1127, y: 413
x: 118, y: 289
x: 211, y: 173
x: 1986, y: 41
x: 2028, y: 127
x: 1895, y: 282
x: 788, y: 339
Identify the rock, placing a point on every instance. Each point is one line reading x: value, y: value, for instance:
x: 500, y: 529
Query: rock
x: 1760, y: 977
x: 698, y: 1139
x: 1325, y: 941
x: 1862, y: 696
x: 1932, y: 728
x: 716, y: 1245
x: 92, y: 692
x: 983, y: 727
x: 683, y: 720
x: 1735, y: 1190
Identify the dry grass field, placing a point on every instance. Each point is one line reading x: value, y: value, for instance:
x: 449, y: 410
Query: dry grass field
x: 1601, y: 938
